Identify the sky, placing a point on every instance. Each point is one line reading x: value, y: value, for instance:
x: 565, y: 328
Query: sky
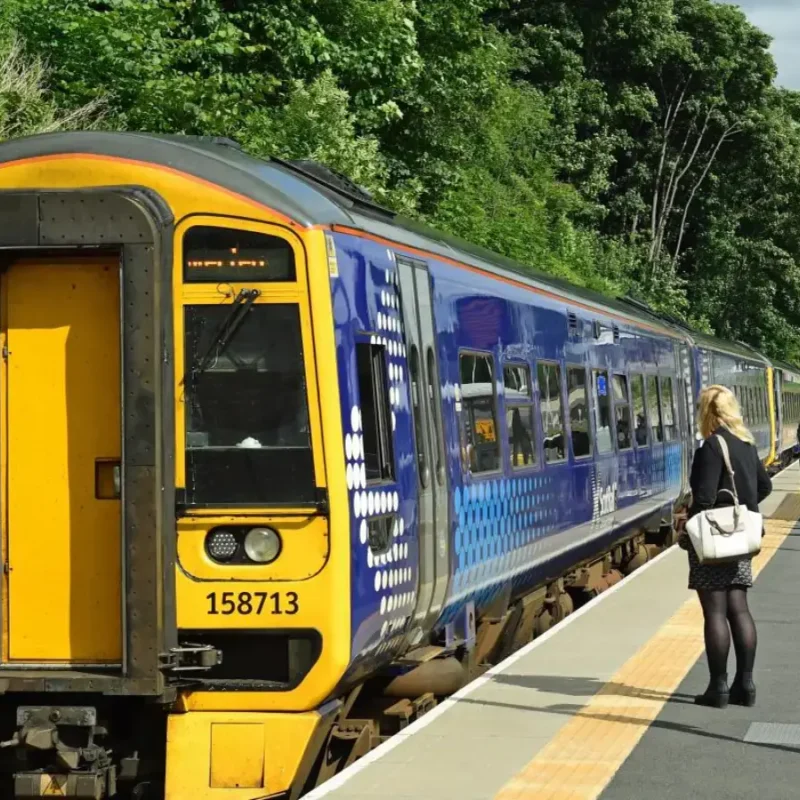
x: 781, y: 20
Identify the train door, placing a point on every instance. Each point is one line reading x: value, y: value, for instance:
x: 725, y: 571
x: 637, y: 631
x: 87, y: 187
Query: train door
x: 686, y: 395
x: 62, y: 510
x: 426, y: 410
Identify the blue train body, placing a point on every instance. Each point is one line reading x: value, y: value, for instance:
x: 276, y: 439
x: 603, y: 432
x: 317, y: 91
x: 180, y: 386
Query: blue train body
x: 509, y: 528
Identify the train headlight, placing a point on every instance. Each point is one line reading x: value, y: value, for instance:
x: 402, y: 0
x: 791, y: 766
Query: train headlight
x: 221, y: 545
x: 262, y: 545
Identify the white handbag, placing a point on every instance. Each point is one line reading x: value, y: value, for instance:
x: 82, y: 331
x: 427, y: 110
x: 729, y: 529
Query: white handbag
x: 719, y: 535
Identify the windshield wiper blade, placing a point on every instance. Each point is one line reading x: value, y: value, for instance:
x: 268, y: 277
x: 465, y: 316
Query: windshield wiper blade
x: 242, y: 304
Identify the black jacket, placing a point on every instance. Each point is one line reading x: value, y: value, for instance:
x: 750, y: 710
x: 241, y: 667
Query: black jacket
x: 709, y: 474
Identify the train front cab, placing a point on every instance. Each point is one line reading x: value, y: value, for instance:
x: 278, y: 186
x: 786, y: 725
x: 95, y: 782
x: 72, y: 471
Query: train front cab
x: 138, y: 608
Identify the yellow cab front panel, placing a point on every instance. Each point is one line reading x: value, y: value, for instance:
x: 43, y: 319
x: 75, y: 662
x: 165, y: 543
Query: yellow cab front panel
x: 246, y: 406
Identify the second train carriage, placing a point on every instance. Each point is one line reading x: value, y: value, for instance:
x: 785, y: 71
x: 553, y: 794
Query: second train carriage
x: 334, y: 445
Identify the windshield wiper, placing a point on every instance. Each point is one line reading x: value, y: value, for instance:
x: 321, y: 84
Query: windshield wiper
x: 242, y: 304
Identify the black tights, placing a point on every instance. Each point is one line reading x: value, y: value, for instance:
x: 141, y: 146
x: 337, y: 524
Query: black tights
x: 721, y: 608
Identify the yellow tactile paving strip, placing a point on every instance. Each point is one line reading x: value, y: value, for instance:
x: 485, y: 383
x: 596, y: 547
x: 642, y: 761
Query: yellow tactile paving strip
x: 586, y: 753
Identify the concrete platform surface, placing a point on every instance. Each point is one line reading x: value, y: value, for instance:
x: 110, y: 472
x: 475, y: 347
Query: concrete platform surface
x: 601, y: 706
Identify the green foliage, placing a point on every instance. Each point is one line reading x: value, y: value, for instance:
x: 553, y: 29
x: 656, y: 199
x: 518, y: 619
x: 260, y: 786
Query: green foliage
x: 636, y: 146
x: 25, y: 106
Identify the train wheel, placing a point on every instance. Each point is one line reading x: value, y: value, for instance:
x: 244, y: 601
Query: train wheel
x: 565, y: 604
x: 543, y: 623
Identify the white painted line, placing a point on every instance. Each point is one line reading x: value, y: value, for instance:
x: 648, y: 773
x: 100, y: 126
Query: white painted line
x: 415, y: 727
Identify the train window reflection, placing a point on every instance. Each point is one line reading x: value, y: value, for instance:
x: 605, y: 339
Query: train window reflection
x: 654, y: 409
x: 622, y: 412
x: 479, y: 413
x: 552, y: 412
x: 247, y: 426
x: 602, y: 402
x: 668, y: 410
x: 637, y: 390
x: 578, y: 397
x: 519, y: 415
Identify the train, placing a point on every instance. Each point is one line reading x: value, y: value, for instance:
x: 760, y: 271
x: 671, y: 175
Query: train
x: 281, y: 468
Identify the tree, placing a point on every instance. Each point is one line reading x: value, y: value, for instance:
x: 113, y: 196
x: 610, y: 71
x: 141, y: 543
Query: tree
x: 25, y: 106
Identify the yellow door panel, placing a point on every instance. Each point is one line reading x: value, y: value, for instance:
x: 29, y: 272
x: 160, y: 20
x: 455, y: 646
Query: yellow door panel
x: 63, y: 406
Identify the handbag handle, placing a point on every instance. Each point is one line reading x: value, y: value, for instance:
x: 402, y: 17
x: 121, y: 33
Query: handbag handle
x: 726, y: 457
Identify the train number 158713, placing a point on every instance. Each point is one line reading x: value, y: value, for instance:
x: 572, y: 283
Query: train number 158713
x: 257, y: 603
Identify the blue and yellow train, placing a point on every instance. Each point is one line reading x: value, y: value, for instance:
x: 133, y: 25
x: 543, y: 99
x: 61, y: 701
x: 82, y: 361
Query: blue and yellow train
x: 280, y: 468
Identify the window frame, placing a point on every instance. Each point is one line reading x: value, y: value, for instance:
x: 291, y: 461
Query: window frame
x: 641, y: 376
x: 661, y: 380
x: 587, y: 395
x: 271, y: 293
x: 530, y: 404
x: 387, y: 458
x: 557, y: 364
x: 464, y: 410
x: 596, y: 403
x: 625, y: 404
x: 654, y: 376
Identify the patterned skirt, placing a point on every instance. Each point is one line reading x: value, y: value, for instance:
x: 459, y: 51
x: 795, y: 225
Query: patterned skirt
x: 718, y: 576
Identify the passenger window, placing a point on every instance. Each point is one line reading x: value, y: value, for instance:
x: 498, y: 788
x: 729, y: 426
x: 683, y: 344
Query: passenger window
x: 519, y: 415
x: 654, y: 409
x: 578, y: 398
x: 375, y: 412
x: 668, y: 411
x: 479, y: 415
x: 639, y: 418
x: 602, y: 403
x: 551, y: 411
x: 622, y: 412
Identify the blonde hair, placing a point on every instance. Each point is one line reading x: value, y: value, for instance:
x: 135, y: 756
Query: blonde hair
x: 719, y: 408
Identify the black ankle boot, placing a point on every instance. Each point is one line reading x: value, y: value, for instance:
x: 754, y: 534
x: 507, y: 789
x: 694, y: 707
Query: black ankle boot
x: 743, y: 690
x: 716, y: 695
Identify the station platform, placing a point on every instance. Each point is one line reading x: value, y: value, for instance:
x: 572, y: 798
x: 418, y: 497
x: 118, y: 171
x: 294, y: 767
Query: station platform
x: 602, y: 705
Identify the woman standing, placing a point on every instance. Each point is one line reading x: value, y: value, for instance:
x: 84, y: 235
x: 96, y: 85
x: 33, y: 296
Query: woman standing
x: 722, y: 588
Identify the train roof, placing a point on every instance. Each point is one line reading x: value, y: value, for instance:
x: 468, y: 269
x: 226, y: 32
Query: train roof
x: 310, y: 194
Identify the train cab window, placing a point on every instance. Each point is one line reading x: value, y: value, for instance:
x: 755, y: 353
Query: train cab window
x: 622, y: 412
x: 519, y: 415
x: 376, y: 419
x: 640, y: 420
x: 668, y: 410
x: 247, y: 424
x: 602, y: 405
x: 578, y: 397
x: 654, y: 409
x: 479, y: 412
x: 552, y: 411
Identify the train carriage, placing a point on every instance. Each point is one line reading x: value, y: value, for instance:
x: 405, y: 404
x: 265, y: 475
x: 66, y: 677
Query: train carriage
x: 278, y: 466
x: 787, y: 407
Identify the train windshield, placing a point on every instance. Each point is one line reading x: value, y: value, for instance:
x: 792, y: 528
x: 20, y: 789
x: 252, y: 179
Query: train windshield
x: 247, y: 425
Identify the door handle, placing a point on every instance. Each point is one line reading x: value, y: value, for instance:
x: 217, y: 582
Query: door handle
x: 107, y: 479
